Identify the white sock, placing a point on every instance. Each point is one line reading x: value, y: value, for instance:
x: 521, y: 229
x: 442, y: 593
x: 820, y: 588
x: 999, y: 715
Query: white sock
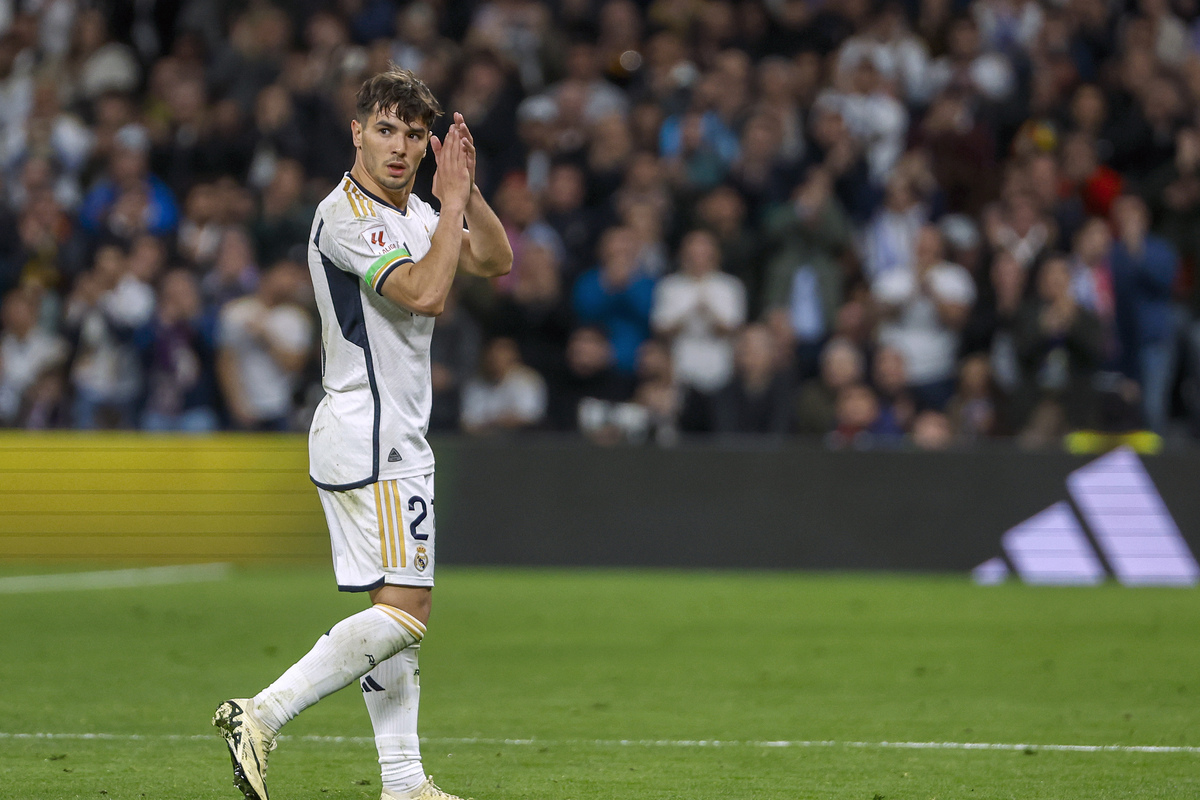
x: 347, y: 652
x: 392, y: 692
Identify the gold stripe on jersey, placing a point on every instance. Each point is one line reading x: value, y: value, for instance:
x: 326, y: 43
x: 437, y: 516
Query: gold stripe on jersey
x: 410, y: 622
x: 382, y: 536
x: 360, y: 204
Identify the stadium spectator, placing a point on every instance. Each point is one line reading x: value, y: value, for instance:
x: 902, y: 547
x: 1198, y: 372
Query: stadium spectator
x: 177, y: 349
x: 1091, y: 273
x: 505, y: 394
x: 1144, y: 268
x: 263, y: 342
x: 972, y: 409
x: 576, y: 223
x: 889, y: 379
x: 1060, y: 344
x: 1173, y: 194
x: 57, y: 141
x: 1019, y: 227
x: 520, y: 212
x: 932, y: 431
x: 284, y: 219
x: 805, y: 245
x: 817, y: 401
x: 878, y: 121
x: 107, y: 305
x: 698, y: 310
x: 615, y: 297
x: 278, y: 134
x: 648, y: 221
x: 453, y: 359
x: 28, y: 355
x: 16, y: 88
x: 961, y: 151
x: 758, y: 399
x: 887, y: 241
x: 925, y: 309
x: 723, y: 212
x: 664, y: 400
x: 129, y: 200
x: 536, y: 313
x: 856, y: 418
x: 831, y: 146
x: 589, y: 374
x: 608, y: 155
x: 234, y: 271
x: 988, y: 76
x: 96, y: 64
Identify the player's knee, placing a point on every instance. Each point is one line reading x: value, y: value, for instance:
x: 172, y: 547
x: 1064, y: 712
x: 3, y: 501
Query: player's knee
x: 413, y: 600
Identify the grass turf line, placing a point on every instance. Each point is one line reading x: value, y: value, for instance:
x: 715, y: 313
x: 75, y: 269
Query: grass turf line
x: 579, y: 656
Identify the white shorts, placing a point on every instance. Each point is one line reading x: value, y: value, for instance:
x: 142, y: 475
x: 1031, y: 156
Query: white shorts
x: 382, y: 533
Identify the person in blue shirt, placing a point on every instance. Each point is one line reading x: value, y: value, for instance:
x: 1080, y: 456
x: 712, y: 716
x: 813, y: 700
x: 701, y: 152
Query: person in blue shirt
x: 617, y: 297
x: 1144, y: 268
x: 128, y: 200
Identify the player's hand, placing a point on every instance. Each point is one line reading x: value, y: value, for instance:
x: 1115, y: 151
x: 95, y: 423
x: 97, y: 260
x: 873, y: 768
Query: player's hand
x: 452, y: 181
x: 468, y: 143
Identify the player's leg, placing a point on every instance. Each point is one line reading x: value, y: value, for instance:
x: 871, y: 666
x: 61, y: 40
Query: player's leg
x: 346, y: 652
x: 392, y: 690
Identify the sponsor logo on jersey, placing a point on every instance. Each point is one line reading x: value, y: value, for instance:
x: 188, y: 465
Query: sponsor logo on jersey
x: 377, y: 241
x: 395, y: 456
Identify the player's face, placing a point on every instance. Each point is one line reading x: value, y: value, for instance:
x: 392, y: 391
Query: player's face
x: 390, y: 149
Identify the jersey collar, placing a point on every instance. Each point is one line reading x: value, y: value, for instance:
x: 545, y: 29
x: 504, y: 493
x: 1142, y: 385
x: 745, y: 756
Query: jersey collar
x: 402, y: 212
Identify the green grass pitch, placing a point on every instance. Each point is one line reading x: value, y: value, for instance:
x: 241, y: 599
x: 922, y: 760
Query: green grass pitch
x: 599, y: 684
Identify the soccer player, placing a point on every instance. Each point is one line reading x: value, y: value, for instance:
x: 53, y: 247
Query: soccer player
x: 382, y: 262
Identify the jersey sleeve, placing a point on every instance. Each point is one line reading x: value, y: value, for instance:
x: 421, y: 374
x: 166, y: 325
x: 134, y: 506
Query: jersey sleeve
x: 368, y: 250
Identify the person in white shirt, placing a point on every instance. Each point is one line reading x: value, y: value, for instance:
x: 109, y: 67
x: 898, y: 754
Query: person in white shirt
x: 263, y: 342
x: 26, y: 352
x: 925, y: 308
x: 382, y: 264
x: 700, y: 309
x: 506, y: 394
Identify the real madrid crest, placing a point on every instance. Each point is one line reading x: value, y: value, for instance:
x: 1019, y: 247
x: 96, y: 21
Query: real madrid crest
x: 422, y: 559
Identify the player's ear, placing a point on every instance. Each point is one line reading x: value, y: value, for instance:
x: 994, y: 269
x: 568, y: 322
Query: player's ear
x: 356, y: 133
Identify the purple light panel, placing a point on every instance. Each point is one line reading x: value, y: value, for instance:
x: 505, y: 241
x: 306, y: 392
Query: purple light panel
x: 1050, y: 548
x: 1131, y: 524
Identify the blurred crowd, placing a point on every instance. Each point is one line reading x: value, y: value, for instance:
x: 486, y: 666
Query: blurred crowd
x: 881, y: 223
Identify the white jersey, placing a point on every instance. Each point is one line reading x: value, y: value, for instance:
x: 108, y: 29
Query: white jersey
x: 374, y: 354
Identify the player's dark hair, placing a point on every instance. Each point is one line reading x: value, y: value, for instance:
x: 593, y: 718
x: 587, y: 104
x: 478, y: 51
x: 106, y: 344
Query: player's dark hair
x: 398, y: 91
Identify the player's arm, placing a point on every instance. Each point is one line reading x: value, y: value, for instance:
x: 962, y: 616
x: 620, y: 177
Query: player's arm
x: 485, y: 248
x: 422, y: 286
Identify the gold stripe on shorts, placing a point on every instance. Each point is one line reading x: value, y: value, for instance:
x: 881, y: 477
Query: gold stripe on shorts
x: 399, y: 524
x: 393, y: 494
x: 379, y: 516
